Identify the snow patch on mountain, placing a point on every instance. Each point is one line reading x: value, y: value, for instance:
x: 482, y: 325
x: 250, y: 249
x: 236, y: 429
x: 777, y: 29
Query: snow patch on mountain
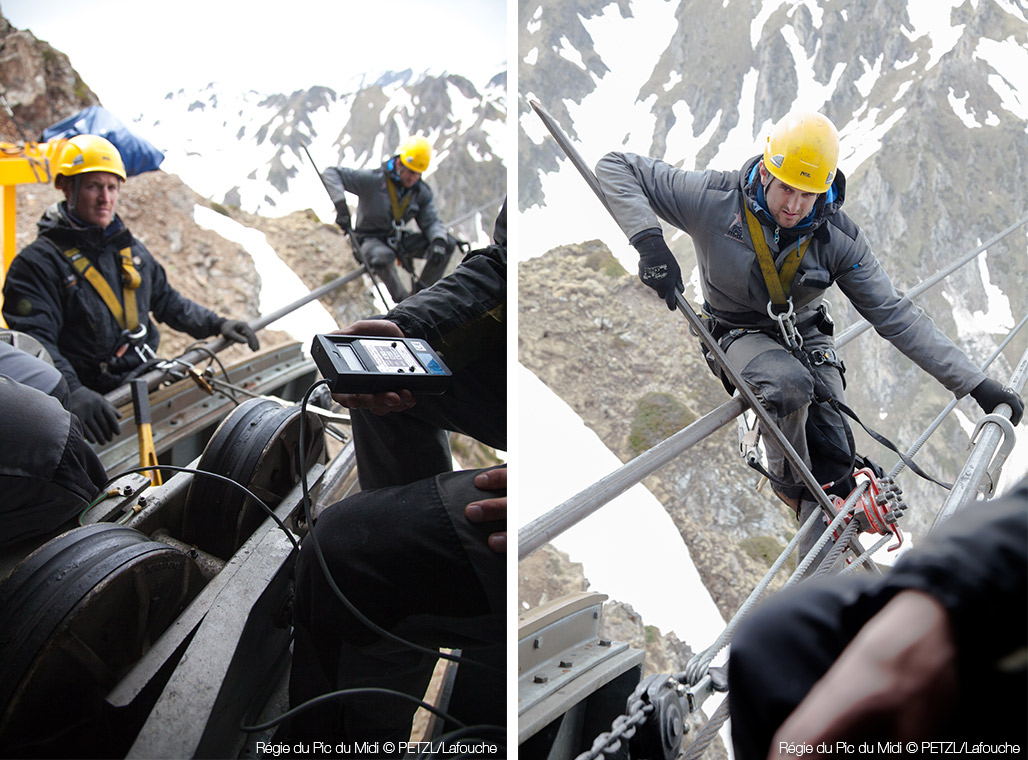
x: 245, y: 148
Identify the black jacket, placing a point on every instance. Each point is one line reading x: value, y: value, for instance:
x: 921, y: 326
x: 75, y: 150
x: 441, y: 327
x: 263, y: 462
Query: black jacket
x: 464, y: 317
x: 45, y: 297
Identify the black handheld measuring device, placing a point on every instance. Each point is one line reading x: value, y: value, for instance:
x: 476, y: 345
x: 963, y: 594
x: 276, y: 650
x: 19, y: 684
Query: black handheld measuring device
x: 374, y: 364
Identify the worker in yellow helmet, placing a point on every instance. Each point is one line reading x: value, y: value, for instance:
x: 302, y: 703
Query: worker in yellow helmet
x: 390, y: 197
x: 783, y: 209
x: 86, y: 287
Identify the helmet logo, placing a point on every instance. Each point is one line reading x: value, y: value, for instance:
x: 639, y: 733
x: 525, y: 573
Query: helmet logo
x: 78, y: 160
x: 778, y: 159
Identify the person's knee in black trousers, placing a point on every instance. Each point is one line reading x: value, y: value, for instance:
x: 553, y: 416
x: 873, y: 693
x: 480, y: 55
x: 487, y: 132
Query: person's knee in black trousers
x: 409, y: 561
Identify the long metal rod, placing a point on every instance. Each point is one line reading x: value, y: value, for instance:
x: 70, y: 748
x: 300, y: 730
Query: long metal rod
x: 768, y: 424
x: 970, y: 479
x: 267, y: 319
x: 355, y: 245
x: 155, y: 377
x: 548, y: 526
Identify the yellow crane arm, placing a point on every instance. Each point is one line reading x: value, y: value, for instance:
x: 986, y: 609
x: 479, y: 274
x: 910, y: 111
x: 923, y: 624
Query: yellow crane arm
x: 19, y: 165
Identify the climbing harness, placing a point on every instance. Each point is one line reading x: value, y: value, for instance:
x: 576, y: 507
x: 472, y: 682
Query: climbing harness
x: 127, y: 317
x: 779, y: 282
x: 399, y: 209
x: 133, y: 334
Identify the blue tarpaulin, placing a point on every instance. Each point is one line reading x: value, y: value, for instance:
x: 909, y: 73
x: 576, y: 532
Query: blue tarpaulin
x: 137, y: 154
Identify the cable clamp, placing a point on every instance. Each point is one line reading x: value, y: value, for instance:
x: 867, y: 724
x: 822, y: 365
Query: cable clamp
x: 988, y: 486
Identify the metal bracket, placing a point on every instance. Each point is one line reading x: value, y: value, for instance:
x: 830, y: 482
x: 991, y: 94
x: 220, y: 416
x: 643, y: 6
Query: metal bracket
x: 988, y: 486
x: 748, y: 445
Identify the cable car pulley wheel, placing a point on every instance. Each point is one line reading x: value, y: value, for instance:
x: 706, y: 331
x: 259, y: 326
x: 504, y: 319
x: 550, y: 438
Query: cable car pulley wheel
x: 257, y: 445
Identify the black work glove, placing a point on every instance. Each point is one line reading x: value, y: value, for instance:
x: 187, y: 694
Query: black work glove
x: 238, y: 331
x: 989, y: 394
x: 437, y: 250
x: 343, y: 216
x: 99, y: 418
x: 658, y: 268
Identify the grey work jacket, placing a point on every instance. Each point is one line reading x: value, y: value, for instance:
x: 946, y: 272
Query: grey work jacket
x: 374, y: 216
x: 709, y: 206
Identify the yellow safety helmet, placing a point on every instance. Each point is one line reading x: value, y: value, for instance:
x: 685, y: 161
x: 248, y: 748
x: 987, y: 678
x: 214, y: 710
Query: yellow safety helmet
x: 415, y: 154
x: 90, y: 153
x: 803, y: 151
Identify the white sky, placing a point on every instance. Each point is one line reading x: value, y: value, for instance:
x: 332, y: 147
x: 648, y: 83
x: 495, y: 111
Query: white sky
x: 126, y: 50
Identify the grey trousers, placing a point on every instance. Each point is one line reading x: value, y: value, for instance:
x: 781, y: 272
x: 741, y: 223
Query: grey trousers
x: 784, y: 387
x: 382, y: 260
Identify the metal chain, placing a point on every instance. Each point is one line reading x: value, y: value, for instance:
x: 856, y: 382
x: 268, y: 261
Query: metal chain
x: 623, y: 727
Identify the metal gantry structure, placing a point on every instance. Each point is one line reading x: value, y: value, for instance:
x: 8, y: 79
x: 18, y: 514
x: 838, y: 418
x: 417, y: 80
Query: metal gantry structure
x: 568, y: 675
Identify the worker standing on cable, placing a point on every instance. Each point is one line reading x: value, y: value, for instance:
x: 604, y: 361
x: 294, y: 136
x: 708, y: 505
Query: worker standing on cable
x: 388, y: 198
x: 86, y: 287
x: 770, y: 239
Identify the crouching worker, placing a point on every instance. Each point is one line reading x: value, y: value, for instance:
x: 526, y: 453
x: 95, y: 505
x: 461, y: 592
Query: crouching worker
x: 388, y: 198
x: 419, y: 553
x: 48, y: 473
x: 86, y: 289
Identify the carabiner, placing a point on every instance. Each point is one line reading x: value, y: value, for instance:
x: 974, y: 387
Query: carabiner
x: 786, y: 325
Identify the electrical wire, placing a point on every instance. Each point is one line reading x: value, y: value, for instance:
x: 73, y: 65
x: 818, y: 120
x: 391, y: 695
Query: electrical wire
x: 332, y: 695
x: 306, y: 500
x: 323, y: 564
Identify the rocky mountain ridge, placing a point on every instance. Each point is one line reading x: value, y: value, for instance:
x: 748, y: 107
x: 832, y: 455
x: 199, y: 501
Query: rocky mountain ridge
x: 257, y: 141
x: 41, y: 87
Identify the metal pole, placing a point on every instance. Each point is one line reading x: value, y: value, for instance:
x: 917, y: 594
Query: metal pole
x: 548, y: 526
x: 267, y: 319
x: 354, y: 243
x: 992, y: 434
